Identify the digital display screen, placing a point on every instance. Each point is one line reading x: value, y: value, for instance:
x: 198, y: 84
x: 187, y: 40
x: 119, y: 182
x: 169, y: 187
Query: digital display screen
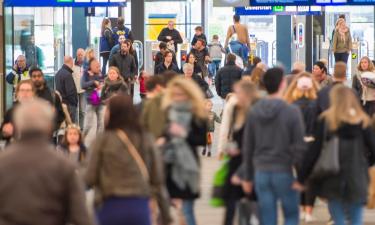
x: 64, y: 3
x: 280, y: 2
x: 278, y: 10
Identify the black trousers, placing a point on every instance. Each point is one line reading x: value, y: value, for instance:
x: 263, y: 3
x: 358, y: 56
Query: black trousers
x: 342, y: 57
x: 105, y: 57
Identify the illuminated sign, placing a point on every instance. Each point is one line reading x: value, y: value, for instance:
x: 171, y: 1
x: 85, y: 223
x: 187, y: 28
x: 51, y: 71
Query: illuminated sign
x: 278, y: 10
x: 280, y: 2
x: 64, y: 3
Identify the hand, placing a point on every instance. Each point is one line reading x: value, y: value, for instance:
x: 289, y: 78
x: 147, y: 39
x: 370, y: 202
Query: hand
x: 8, y: 130
x: 168, y: 37
x: 247, y: 187
x: 176, y: 129
x: 233, y: 152
x: 297, y: 186
x: 160, y: 141
x: 236, y: 180
x: 15, y: 67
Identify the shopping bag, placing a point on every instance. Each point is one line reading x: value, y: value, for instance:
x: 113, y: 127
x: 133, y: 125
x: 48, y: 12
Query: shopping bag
x: 220, y: 178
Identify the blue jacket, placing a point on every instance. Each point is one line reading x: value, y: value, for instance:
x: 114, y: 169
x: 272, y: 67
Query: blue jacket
x: 88, y: 83
x: 117, y: 31
x: 106, y: 41
x: 14, y: 77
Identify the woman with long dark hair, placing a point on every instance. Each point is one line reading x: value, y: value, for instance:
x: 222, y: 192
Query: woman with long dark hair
x: 106, y: 42
x: 125, y: 170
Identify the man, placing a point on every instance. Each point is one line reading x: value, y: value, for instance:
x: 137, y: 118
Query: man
x: 117, y: 48
x: 125, y: 62
x: 200, y: 52
x: 44, y: 92
x: 159, y: 57
x: 34, y: 54
x: 273, y: 146
x: 19, y: 72
x: 170, y: 36
x: 167, y: 64
x: 339, y: 77
x: 227, y: 76
x: 241, y: 46
x: 122, y: 30
x: 77, y: 76
x: 44, y: 187
x: 65, y: 85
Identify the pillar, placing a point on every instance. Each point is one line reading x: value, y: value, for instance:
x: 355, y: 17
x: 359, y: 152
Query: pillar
x: 138, y: 19
x: 284, y: 41
x: 80, y: 34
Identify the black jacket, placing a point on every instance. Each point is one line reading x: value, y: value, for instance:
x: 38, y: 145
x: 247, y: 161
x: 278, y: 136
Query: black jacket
x: 308, y: 109
x: 201, y: 83
x: 65, y: 86
x: 161, y: 68
x: 226, y: 77
x: 356, y: 153
x: 159, y: 58
x: 176, y: 37
x: 195, y: 39
x: 126, y: 65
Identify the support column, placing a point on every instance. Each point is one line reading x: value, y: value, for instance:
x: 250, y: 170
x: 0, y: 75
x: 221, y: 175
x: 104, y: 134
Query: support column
x: 284, y: 41
x: 138, y: 19
x: 309, y: 42
x: 79, y: 29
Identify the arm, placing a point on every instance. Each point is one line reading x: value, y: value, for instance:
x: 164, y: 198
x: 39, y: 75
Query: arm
x: 136, y: 61
x: 86, y: 83
x: 218, y: 83
x: 369, y: 137
x: 108, y: 36
x: 247, y: 150
x: 133, y: 68
x: 198, y: 134
x: 356, y: 85
x: 162, y: 36
x: 178, y: 38
x: 247, y: 37
x: 111, y: 54
x: 350, y: 43
x: 229, y: 35
x: 226, y: 124
x: 10, y: 77
x: 334, y: 42
x: 130, y: 36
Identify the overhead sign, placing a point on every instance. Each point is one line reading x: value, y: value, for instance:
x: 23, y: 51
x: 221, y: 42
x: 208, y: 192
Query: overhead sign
x: 281, y: 2
x: 64, y: 3
x: 278, y: 10
x: 230, y: 3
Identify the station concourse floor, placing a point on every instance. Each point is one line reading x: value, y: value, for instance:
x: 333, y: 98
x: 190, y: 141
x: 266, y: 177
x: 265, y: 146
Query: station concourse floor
x: 207, y: 215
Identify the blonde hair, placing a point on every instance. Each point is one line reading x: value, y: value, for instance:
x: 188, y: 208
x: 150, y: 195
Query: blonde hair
x: 257, y: 75
x: 345, y: 108
x: 371, y: 67
x: 88, y: 52
x: 293, y: 93
x: 192, y: 90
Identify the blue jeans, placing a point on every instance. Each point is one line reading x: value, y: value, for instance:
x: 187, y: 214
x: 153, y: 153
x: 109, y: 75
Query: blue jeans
x: 240, y: 49
x: 341, y: 211
x: 272, y: 187
x: 214, y: 67
x: 188, y: 209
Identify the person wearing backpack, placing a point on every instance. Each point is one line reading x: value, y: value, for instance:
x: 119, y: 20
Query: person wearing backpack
x: 215, y: 50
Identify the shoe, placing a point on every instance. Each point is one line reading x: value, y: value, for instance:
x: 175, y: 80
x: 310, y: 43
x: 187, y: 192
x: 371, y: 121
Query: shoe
x: 209, y: 154
x: 309, y: 218
x: 204, y: 152
x: 302, y: 216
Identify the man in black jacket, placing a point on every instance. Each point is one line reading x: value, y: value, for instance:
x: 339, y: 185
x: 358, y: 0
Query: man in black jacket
x: 66, y: 87
x: 125, y: 62
x: 44, y: 92
x: 167, y: 64
x: 227, y: 76
x: 170, y: 35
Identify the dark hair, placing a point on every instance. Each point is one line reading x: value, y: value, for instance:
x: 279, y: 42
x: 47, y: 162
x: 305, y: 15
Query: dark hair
x: 168, y: 76
x: 236, y: 18
x: 166, y: 53
x: 215, y: 36
x: 65, y: 144
x: 272, y: 79
x: 105, y: 22
x: 256, y: 60
x: 90, y: 62
x: 120, y: 21
x: 199, y: 28
x: 162, y: 45
x: 321, y: 65
x: 202, y: 41
x: 130, y: 44
x: 154, y: 81
x: 342, y: 16
x: 118, y: 106
x: 35, y: 69
x: 231, y: 58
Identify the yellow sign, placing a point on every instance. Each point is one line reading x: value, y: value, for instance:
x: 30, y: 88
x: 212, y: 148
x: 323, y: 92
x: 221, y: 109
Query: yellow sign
x: 156, y: 23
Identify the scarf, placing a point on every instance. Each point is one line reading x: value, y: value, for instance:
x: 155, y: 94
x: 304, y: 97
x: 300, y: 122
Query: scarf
x: 342, y: 29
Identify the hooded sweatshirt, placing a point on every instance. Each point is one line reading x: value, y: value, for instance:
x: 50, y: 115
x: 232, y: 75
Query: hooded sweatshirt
x: 273, y: 138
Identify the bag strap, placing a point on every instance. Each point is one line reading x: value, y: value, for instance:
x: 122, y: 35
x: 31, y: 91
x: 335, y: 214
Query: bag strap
x: 134, y: 153
x: 234, y: 29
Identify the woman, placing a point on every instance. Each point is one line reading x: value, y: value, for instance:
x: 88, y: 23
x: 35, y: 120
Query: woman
x: 192, y: 60
x: 302, y: 92
x: 133, y: 52
x: 123, y: 180
x: 257, y: 76
x: 342, y: 42
x: 167, y: 64
x: 186, y: 130
x: 113, y: 84
x: 230, y: 142
x: 106, y: 42
x: 346, y: 192
x: 320, y: 74
x: 188, y: 70
x: 363, y: 83
x: 90, y: 54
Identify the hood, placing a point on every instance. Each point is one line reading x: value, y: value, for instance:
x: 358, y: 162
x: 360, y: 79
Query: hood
x: 119, y: 81
x: 268, y: 109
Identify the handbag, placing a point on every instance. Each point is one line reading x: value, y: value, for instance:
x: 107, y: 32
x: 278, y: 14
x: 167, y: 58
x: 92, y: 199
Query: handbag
x: 218, y: 189
x: 328, y: 163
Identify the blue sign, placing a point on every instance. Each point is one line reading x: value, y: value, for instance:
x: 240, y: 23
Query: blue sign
x: 278, y: 10
x: 64, y: 3
x: 280, y: 2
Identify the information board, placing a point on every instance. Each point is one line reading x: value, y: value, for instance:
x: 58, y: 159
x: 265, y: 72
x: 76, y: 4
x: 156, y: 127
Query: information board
x: 281, y: 2
x: 64, y: 3
x: 278, y: 10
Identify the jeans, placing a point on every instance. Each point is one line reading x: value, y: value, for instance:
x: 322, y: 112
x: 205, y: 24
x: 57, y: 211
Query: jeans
x: 214, y: 67
x: 73, y: 113
x: 230, y: 211
x: 340, y: 211
x: 105, y: 57
x: 342, y: 57
x: 188, y: 209
x: 272, y: 187
x: 241, y: 50
x: 94, y: 122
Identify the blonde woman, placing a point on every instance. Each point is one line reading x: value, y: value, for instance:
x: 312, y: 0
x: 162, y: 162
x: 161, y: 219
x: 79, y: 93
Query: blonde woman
x: 302, y: 92
x: 186, y: 131
x: 342, y: 42
x: 90, y: 54
x: 364, y: 84
x: 346, y: 191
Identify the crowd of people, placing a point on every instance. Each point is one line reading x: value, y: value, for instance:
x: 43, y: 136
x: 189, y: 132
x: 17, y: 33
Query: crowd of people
x: 286, y: 138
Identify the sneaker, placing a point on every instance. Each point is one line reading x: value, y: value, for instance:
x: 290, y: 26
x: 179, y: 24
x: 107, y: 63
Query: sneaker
x: 204, y: 152
x: 309, y: 218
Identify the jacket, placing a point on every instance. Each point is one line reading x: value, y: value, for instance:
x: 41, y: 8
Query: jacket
x: 366, y: 92
x: 117, y: 31
x: 322, y: 102
x: 111, y: 88
x: 44, y: 188
x: 106, y: 41
x: 113, y: 172
x: 88, y: 84
x: 65, y: 86
x: 77, y: 76
x: 287, y: 148
x: 159, y: 58
x: 161, y: 68
x: 153, y: 118
x: 126, y: 65
x: 308, y: 109
x: 341, y: 46
x: 117, y: 49
x: 356, y: 151
x: 226, y: 123
x: 15, y: 76
x: 176, y: 37
x: 226, y: 77
x: 196, y: 38
x: 201, y: 83
x: 242, y: 34
x: 216, y: 50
